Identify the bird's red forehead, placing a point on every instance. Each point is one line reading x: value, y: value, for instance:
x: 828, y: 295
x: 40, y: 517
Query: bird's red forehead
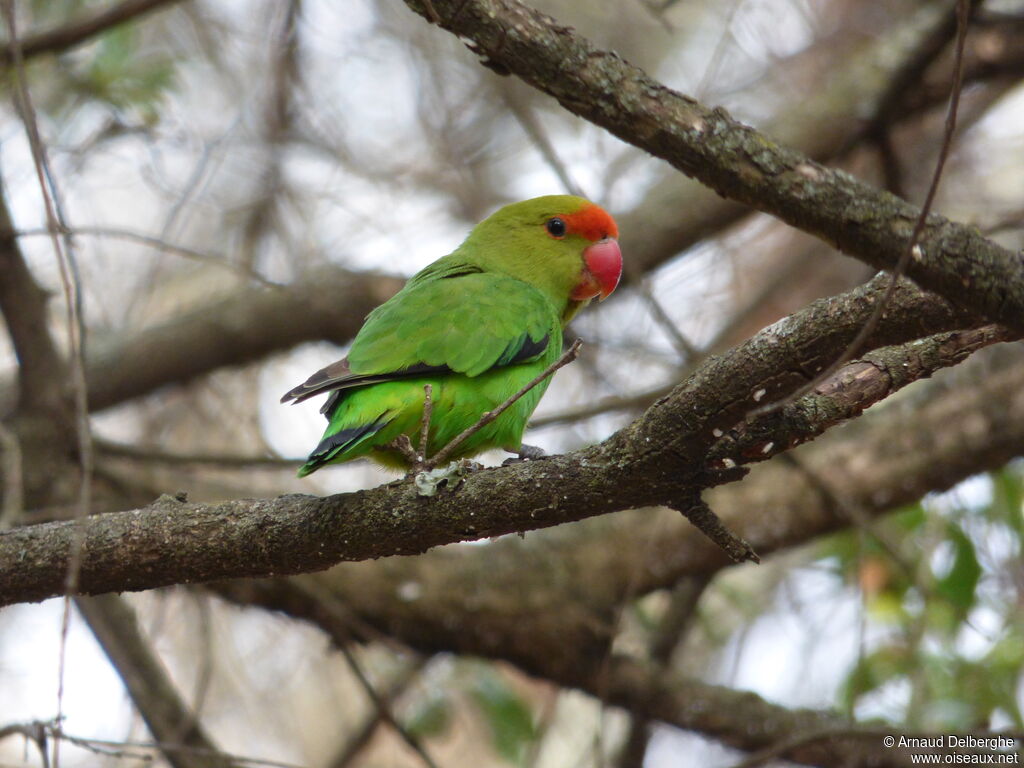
x: 592, y: 222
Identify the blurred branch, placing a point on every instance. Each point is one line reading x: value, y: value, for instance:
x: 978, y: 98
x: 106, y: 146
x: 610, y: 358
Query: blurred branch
x: 136, y: 453
x: 358, y: 740
x: 727, y: 715
x: 41, y: 372
x: 658, y: 459
x: 13, y: 493
x: 530, y: 123
x: 826, y: 123
x: 277, y: 122
x: 168, y: 718
x: 911, y: 72
x: 382, y: 707
x: 156, y: 242
x: 735, y: 160
x: 326, y: 304
x: 663, y: 641
x: 35, y: 732
x: 342, y: 636
x: 74, y: 33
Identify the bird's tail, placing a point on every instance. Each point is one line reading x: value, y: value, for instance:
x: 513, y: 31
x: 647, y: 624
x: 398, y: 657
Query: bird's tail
x: 333, y: 447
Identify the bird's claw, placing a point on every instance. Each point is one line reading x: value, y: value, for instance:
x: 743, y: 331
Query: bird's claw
x: 526, y: 453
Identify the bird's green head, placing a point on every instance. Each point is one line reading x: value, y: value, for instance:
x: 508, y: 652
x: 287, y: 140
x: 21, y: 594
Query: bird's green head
x: 561, y: 244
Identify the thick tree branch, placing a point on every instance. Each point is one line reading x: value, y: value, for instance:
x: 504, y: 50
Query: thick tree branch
x: 469, y: 599
x: 735, y: 160
x: 851, y: 390
x: 677, y: 212
x: 659, y: 459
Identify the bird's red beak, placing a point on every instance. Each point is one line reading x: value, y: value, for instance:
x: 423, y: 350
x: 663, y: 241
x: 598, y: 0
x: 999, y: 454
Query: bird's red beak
x: 602, y: 268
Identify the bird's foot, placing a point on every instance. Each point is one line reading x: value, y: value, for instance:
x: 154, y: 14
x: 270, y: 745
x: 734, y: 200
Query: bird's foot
x: 526, y: 453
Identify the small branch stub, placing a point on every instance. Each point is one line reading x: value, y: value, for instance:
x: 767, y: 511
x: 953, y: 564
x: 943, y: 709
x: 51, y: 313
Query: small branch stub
x: 707, y: 522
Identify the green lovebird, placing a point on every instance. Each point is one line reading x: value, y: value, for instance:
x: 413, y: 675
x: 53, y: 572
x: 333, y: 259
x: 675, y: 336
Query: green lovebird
x: 477, y: 325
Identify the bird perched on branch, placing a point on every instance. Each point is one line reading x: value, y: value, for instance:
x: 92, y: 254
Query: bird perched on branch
x: 477, y: 325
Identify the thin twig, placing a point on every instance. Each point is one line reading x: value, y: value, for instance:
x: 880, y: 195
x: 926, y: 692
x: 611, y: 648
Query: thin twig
x: 75, y: 322
x: 850, y: 510
x: 342, y: 638
x: 115, y: 625
x: 403, y: 445
x: 428, y: 410
x: 158, y: 243
x: 38, y: 731
x: 441, y: 456
x: 531, y: 126
x: 114, y: 748
x: 357, y: 741
x: 382, y: 705
x: 963, y: 10
x: 683, y: 345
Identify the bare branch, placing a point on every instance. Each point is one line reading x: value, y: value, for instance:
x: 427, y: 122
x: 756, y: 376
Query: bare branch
x: 135, y: 453
x: 736, y: 161
x: 154, y: 241
x: 963, y: 10
x: 659, y: 458
x: 356, y: 742
x: 380, y: 701
x: 879, y: 464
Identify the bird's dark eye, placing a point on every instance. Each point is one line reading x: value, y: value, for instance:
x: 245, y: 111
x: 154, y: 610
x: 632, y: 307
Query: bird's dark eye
x: 555, y: 227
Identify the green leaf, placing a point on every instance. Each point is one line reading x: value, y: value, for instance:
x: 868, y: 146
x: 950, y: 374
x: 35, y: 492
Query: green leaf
x: 872, y: 671
x: 430, y: 717
x: 508, y: 716
x: 126, y: 75
x: 959, y: 585
x: 1008, y: 498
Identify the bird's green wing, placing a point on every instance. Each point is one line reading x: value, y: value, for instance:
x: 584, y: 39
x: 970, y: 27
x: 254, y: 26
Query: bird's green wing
x: 459, y: 320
